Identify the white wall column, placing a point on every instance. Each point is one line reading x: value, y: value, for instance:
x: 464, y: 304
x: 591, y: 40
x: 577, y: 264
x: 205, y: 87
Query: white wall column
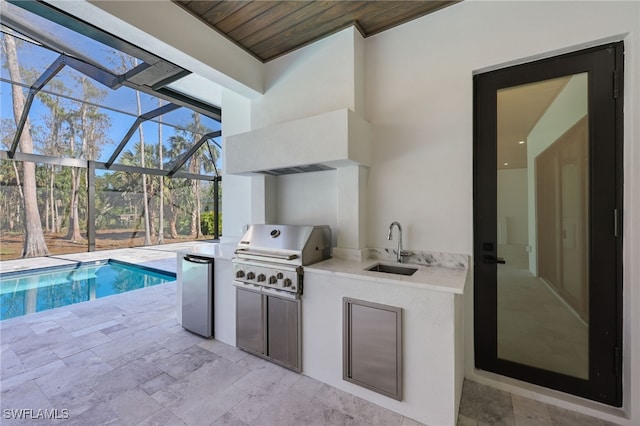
x: 236, y: 192
x: 351, y: 210
x: 263, y: 199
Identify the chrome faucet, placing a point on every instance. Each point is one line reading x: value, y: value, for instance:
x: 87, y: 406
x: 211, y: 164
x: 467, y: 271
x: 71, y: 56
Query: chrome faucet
x: 400, y: 252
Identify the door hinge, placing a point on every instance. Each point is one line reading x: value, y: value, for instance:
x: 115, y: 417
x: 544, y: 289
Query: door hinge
x: 618, y: 356
x: 616, y: 83
x: 616, y: 223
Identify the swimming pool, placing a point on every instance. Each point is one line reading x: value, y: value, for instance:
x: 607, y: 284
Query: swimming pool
x: 36, y: 290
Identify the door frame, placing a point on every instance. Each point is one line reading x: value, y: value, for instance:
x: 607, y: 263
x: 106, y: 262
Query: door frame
x: 605, y: 101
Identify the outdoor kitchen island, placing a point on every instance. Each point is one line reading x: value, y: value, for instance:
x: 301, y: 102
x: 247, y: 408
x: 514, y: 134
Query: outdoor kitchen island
x: 432, y: 332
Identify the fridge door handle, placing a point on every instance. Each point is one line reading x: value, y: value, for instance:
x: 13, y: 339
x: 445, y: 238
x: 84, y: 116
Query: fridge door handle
x: 197, y: 260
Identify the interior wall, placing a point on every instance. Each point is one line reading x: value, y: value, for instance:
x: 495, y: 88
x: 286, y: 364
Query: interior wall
x: 569, y: 106
x: 512, y: 207
x: 419, y: 101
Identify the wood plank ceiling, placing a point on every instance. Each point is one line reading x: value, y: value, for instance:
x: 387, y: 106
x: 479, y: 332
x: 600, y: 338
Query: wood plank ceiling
x: 268, y: 29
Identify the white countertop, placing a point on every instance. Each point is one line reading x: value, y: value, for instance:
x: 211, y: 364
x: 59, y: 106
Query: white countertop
x: 427, y: 277
x: 213, y: 250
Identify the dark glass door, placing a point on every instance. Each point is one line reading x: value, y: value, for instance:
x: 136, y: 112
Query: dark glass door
x: 547, y: 212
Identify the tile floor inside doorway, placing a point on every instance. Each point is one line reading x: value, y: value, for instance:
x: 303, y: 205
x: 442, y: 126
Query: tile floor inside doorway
x: 124, y: 360
x: 535, y: 326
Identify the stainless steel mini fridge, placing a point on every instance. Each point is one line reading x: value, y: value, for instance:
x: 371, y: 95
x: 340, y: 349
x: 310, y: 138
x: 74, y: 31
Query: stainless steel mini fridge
x: 197, y: 294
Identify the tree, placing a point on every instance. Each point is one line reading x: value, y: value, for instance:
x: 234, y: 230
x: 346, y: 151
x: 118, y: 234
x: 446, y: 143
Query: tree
x: 34, y: 242
x: 11, y: 195
x: 147, y: 227
x: 56, y: 118
x: 88, y: 125
x: 160, y: 165
x: 175, y: 193
x: 194, y: 167
x: 130, y: 184
x: 179, y: 144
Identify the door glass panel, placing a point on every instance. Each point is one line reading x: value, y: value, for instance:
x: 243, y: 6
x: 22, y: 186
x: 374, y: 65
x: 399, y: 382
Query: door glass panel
x: 542, y: 225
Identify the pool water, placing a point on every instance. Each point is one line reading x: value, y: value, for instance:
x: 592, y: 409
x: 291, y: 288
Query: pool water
x: 38, y: 290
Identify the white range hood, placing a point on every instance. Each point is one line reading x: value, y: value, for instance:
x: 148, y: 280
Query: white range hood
x: 326, y: 141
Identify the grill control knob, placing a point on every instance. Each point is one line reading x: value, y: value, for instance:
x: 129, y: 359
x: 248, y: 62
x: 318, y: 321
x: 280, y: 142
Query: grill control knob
x: 279, y: 275
x: 287, y: 282
x: 240, y: 274
x: 261, y: 277
x: 250, y: 275
x: 273, y: 279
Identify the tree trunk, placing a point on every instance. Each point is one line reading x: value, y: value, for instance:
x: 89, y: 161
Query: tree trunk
x: 46, y: 215
x: 58, y: 217
x: 160, y: 163
x: 194, y: 166
x: 152, y: 213
x: 57, y: 121
x: 172, y: 222
x: 17, y: 214
x: 198, y: 209
x: 52, y: 202
x: 147, y: 228
x: 194, y: 231
x: 15, y: 170
x: 73, y: 234
x: 34, y: 242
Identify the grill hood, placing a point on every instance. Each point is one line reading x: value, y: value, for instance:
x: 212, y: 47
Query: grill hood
x: 293, y: 244
x: 321, y: 142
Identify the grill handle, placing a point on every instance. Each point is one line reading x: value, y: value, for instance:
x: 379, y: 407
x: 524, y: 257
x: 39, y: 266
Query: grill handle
x: 267, y: 255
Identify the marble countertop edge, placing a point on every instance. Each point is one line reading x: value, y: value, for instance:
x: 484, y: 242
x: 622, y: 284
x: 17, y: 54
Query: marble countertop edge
x: 435, y: 278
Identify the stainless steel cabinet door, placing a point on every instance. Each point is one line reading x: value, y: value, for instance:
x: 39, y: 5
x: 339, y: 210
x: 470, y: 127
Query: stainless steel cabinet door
x: 250, y: 321
x: 372, y: 346
x: 283, y: 331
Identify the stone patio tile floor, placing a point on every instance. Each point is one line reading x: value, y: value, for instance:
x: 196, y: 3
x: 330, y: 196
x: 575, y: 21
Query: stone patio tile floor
x: 125, y: 360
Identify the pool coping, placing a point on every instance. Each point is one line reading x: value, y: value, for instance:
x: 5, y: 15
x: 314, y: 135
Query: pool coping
x: 143, y: 256
x: 79, y: 264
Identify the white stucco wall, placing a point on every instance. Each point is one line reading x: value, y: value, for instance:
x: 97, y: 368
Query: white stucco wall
x: 419, y: 101
x: 309, y: 81
x: 315, y: 80
x: 236, y: 195
x: 297, y: 205
x: 430, y: 392
x: 418, y: 98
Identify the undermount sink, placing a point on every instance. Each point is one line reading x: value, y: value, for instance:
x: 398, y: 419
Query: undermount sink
x: 392, y: 269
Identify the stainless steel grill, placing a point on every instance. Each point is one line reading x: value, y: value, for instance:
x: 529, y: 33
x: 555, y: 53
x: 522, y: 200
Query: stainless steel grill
x: 270, y: 258
x: 269, y: 281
